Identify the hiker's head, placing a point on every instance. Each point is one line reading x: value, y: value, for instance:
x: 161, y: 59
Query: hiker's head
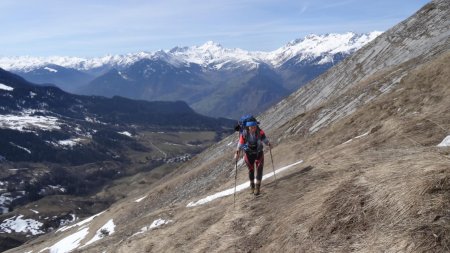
x: 252, y: 125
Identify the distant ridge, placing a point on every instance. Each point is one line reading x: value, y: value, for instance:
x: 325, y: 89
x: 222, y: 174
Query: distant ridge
x: 209, y: 54
x: 213, y: 80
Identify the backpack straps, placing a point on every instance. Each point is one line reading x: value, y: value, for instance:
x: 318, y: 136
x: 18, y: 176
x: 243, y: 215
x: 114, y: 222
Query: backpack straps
x: 246, y: 133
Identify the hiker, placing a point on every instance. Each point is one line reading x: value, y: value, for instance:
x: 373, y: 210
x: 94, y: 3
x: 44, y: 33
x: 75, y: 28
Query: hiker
x: 251, y: 141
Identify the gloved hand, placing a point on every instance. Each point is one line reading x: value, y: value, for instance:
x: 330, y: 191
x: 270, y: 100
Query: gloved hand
x: 236, y: 155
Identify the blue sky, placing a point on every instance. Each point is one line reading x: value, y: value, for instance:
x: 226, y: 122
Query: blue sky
x: 90, y: 28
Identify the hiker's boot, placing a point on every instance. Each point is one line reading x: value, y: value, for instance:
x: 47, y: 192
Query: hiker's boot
x: 252, y: 188
x: 257, y: 189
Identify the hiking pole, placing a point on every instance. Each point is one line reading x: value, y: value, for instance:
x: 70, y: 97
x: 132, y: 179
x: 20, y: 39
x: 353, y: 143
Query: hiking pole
x: 271, y: 159
x: 235, y: 178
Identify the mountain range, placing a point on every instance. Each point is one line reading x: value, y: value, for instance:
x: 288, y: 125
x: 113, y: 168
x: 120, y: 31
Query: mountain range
x: 213, y: 80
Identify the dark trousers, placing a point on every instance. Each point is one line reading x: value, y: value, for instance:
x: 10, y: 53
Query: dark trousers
x: 253, y: 160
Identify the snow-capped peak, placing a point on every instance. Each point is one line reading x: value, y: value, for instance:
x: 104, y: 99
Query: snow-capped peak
x: 210, y: 45
x: 210, y: 54
x: 313, y: 46
x: 213, y: 55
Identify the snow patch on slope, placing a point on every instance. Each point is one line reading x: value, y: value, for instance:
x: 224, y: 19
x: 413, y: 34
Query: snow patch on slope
x: 5, y: 87
x: 105, y: 230
x: 445, y: 142
x: 238, y: 188
x: 20, y: 225
x: 26, y: 122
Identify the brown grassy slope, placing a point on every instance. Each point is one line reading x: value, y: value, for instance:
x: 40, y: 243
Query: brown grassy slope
x: 391, y: 187
x: 388, y: 191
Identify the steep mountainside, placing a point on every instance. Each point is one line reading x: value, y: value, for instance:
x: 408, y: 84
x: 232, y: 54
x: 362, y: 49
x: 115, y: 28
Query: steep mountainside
x: 53, y: 143
x: 361, y: 167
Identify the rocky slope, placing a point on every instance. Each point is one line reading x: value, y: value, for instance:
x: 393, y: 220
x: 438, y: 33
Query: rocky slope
x: 364, y: 171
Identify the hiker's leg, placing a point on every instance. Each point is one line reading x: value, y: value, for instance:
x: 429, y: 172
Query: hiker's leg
x: 251, y: 177
x: 259, y: 171
x: 259, y: 166
x: 250, y: 161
